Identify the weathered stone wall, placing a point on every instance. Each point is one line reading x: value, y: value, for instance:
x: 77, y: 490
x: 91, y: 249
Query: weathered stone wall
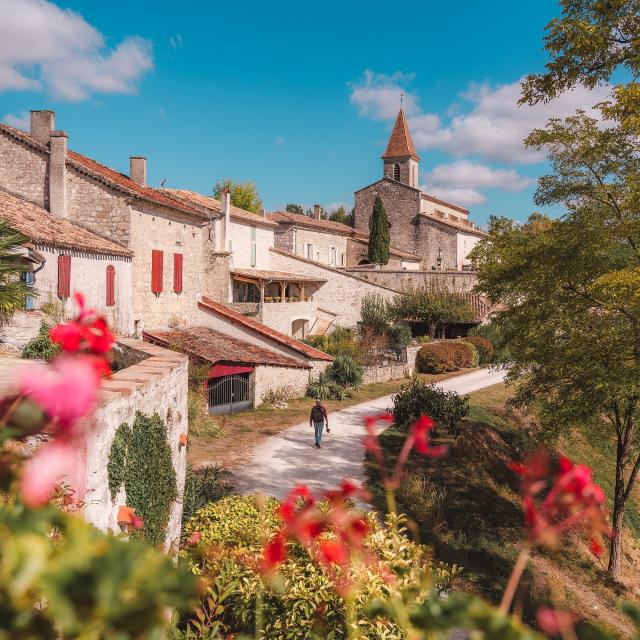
x: 283, y: 238
x: 158, y: 384
x: 240, y: 237
x: 89, y: 277
x: 23, y: 170
x: 358, y: 250
x: 394, y: 371
x: 434, y: 239
x: 456, y: 281
x: 342, y: 293
x: 273, y: 378
x: 23, y: 326
x: 322, y: 244
x: 280, y: 315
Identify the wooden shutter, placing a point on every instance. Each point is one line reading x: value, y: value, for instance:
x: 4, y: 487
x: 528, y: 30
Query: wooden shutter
x: 177, y: 272
x: 64, y: 276
x: 111, y: 285
x: 157, y: 259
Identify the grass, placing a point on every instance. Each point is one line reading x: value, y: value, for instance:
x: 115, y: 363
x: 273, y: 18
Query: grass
x: 233, y: 438
x: 467, y: 507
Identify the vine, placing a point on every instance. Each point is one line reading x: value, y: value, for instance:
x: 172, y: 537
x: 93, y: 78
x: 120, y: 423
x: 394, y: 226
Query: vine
x: 140, y: 459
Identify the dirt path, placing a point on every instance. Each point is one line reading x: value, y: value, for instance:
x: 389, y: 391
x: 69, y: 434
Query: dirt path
x: 289, y: 458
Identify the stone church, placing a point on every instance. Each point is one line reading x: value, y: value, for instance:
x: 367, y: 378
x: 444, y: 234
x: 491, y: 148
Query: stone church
x: 437, y: 231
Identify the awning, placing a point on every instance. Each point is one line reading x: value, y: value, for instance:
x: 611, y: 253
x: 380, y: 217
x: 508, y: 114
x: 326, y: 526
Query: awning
x: 219, y: 370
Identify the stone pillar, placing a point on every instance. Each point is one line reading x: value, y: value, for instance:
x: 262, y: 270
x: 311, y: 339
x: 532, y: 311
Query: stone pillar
x: 317, y: 211
x: 138, y: 169
x: 42, y: 123
x: 58, y: 174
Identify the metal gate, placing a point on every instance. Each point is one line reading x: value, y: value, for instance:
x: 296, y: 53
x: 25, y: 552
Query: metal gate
x: 230, y: 394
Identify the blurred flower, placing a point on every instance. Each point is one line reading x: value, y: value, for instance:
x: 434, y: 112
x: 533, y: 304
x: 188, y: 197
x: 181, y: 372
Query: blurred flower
x: 420, y: 431
x: 554, y: 622
x: 274, y: 553
x: 333, y: 552
x: 194, y: 538
x: 137, y: 522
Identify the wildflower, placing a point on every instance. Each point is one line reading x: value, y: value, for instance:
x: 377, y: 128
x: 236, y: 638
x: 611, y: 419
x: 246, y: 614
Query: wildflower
x: 333, y: 552
x: 419, y: 431
x: 194, y: 538
x: 274, y: 553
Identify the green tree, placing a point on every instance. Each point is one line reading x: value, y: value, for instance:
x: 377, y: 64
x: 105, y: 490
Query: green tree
x: 295, y: 208
x: 379, y: 237
x: 244, y: 195
x: 572, y: 289
x: 434, y: 306
x: 374, y: 313
x: 13, y: 291
x: 340, y: 215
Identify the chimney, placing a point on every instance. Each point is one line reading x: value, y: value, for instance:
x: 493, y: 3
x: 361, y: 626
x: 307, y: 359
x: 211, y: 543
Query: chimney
x: 58, y: 173
x: 225, y: 206
x: 138, y: 169
x: 42, y: 123
x: 317, y: 211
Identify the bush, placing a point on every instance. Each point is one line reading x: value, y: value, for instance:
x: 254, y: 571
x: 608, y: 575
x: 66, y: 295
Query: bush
x: 304, y: 602
x: 41, y: 347
x: 342, y: 341
x: 435, y: 357
x: 346, y: 372
x: 462, y: 353
x: 325, y: 388
x: 375, y: 313
x: 201, y: 487
x: 483, y: 346
x: 475, y: 356
x: 447, y: 408
x: 423, y: 339
x: 399, y: 335
x: 201, y: 423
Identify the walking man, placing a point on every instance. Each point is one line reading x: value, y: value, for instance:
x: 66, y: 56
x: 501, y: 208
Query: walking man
x: 317, y: 419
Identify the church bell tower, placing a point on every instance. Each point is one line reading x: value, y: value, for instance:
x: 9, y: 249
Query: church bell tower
x: 400, y: 159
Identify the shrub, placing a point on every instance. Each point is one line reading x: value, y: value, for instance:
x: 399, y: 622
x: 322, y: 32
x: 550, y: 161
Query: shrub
x: 483, y: 346
x: 279, y: 394
x: 304, y: 602
x: 325, y: 388
x: 423, y: 339
x: 435, y: 358
x: 41, y: 347
x: 475, y: 356
x: 399, y: 335
x: 447, y: 408
x: 201, y: 423
x: 202, y: 486
x: 374, y: 313
x: 342, y: 341
x: 346, y: 372
x: 372, y: 347
x: 424, y: 501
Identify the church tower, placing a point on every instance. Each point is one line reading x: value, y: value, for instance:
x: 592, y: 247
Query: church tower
x: 400, y: 158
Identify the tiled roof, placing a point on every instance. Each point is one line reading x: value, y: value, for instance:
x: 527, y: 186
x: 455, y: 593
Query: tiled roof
x: 108, y: 175
x: 214, y: 347
x: 41, y: 227
x: 364, y: 237
x: 459, y: 226
x: 279, y: 276
x: 426, y: 196
x: 400, y: 142
x: 284, y: 217
x: 234, y: 316
x: 212, y: 203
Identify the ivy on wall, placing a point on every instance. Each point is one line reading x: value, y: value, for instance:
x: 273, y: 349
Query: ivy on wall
x: 140, y: 459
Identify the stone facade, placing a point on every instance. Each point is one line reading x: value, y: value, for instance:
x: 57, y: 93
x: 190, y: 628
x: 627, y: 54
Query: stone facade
x: 23, y: 170
x: 284, y: 316
x: 247, y: 241
x: 267, y: 379
x: 457, y: 281
x: 327, y: 248
x: 24, y: 325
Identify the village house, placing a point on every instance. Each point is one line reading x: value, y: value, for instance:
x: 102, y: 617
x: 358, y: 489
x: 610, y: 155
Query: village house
x: 439, y: 232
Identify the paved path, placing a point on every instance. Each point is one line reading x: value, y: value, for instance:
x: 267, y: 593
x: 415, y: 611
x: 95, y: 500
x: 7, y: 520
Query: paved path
x: 289, y: 458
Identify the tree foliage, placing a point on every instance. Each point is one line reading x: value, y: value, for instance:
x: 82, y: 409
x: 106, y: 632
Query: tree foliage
x: 340, y: 215
x: 295, y: 208
x: 374, y: 313
x: 13, y: 292
x: 379, y: 236
x: 242, y: 194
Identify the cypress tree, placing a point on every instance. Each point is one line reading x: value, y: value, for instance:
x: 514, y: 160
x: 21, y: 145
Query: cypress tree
x: 379, y: 237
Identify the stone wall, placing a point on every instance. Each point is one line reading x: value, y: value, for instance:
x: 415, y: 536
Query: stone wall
x: 274, y: 378
x: 280, y: 315
x: 457, y: 281
x: 395, y: 371
x: 23, y: 326
x: 89, y: 277
x: 435, y: 240
x: 322, y: 245
x: 157, y: 384
x: 358, y: 250
x: 342, y: 293
x: 23, y: 170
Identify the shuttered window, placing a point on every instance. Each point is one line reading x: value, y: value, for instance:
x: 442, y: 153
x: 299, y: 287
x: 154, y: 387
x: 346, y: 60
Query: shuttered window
x: 157, y: 258
x: 177, y: 272
x: 64, y: 276
x: 111, y: 286
x: 253, y: 247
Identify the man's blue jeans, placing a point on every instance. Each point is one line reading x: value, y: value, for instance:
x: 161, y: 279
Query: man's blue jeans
x: 318, y: 426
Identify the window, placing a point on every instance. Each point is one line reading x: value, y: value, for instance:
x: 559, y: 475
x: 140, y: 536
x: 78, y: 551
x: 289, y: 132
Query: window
x: 157, y: 259
x: 396, y: 172
x: 64, y: 276
x: 342, y: 259
x: 28, y: 277
x: 111, y: 286
x: 333, y: 256
x: 253, y: 247
x: 310, y: 251
x: 177, y: 272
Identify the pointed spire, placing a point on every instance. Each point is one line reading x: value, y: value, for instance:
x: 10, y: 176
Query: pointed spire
x: 400, y: 142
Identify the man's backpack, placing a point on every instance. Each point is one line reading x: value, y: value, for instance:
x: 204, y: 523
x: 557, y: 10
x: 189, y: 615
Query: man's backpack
x: 316, y: 414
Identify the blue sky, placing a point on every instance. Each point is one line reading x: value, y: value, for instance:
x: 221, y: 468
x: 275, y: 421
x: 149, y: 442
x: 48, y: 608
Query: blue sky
x: 297, y: 97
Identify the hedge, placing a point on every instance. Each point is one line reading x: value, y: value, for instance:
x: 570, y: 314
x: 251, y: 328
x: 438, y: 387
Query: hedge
x: 484, y: 347
x: 441, y: 357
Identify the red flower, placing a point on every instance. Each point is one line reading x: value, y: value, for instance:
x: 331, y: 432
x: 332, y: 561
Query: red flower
x: 274, y: 553
x: 420, y: 430
x: 554, y: 622
x: 333, y: 552
x: 137, y: 522
x: 194, y: 538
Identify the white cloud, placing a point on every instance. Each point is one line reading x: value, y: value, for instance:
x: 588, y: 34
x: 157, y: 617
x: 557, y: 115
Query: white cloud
x: 21, y: 121
x: 488, y: 123
x: 43, y: 47
x: 463, y: 197
x: 468, y: 173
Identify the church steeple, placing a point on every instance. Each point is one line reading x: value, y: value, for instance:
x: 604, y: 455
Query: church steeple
x: 400, y: 157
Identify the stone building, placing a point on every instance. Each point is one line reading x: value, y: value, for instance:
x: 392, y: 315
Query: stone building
x: 437, y: 231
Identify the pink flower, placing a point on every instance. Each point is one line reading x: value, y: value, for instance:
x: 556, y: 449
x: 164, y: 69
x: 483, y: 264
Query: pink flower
x: 66, y: 390
x: 51, y: 463
x: 194, y: 538
x: 554, y: 622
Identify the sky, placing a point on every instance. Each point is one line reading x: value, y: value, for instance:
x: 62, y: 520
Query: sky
x: 299, y: 98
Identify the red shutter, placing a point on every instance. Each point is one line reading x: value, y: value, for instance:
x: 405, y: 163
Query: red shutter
x: 156, y: 271
x: 64, y: 276
x: 177, y: 272
x: 111, y: 285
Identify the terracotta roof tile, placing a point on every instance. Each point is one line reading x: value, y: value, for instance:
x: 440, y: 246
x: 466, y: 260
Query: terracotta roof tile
x: 212, y: 203
x: 400, y: 142
x: 459, y: 226
x: 214, y: 347
x: 41, y: 227
x: 284, y: 217
x: 314, y: 354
